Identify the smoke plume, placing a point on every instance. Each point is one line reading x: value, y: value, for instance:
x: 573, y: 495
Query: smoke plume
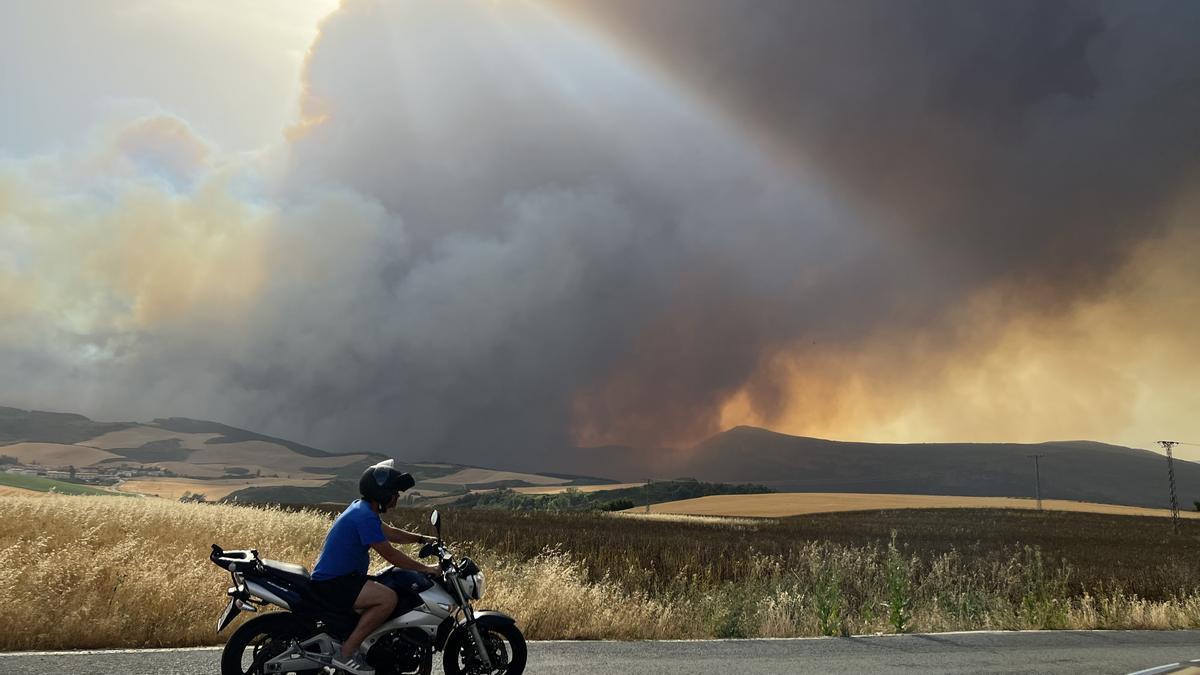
x: 503, y: 228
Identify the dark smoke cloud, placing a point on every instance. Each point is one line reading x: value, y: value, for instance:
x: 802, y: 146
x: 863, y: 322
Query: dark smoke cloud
x: 563, y: 213
x: 499, y: 233
x: 1013, y: 138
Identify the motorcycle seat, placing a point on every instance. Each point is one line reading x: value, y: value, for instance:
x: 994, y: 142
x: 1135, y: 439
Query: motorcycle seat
x: 297, y: 574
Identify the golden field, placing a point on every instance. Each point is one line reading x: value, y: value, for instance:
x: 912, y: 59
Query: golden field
x: 55, y: 454
x: 95, y: 572
x: 91, y: 572
x: 784, y: 504
x: 213, y: 490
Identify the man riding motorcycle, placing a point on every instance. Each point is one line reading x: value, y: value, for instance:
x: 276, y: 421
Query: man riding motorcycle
x: 340, y: 575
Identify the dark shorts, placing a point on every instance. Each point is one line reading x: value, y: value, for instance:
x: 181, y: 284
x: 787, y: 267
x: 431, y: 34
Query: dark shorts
x: 339, y: 592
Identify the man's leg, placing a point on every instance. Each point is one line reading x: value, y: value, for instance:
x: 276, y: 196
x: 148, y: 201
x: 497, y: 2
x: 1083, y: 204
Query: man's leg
x: 376, y: 603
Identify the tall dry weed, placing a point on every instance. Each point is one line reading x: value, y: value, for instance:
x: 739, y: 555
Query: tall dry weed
x: 82, y: 572
x: 89, y: 572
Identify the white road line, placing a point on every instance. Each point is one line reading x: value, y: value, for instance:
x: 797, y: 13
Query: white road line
x: 84, y: 652
x: 65, y: 652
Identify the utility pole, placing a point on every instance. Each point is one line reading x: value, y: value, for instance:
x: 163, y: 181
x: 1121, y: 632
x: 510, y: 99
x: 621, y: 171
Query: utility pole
x: 1037, y: 479
x: 647, y: 491
x: 1167, y: 445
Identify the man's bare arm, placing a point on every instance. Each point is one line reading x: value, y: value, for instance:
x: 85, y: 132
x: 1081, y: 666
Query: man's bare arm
x: 398, y: 536
x: 399, y: 559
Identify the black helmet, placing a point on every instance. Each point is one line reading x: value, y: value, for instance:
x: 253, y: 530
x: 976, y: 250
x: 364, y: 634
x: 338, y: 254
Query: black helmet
x: 381, y: 482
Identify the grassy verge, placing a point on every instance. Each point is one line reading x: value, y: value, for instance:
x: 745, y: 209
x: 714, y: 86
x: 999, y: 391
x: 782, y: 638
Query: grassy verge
x: 92, y: 572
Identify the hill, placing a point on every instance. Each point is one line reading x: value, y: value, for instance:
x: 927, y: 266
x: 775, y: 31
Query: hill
x: 1070, y: 470
x: 176, y: 456
x: 195, y: 451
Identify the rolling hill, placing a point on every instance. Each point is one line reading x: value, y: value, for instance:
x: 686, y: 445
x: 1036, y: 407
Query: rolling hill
x: 177, y: 456
x: 220, y: 459
x: 1070, y: 470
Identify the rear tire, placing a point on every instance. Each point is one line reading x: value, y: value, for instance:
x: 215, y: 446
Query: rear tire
x: 506, y: 644
x: 259, y: 640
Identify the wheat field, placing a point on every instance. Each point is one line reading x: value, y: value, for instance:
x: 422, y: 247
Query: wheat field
x: 784, y: 504
x: 55, y: 454
x: 96, y: 572
x: 213, y: 489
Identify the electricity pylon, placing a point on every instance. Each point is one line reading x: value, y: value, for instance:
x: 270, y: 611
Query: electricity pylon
x: 1167, y: 445
x: 1037, y: 479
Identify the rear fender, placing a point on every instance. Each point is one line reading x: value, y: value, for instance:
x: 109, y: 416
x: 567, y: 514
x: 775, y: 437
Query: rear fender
x: 272, y: 593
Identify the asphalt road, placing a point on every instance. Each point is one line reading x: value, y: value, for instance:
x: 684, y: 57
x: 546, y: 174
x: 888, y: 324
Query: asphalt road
x: 1025, y: 652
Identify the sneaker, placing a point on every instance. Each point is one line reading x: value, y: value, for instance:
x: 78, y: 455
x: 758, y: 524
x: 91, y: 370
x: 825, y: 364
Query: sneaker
x: 353, y: 665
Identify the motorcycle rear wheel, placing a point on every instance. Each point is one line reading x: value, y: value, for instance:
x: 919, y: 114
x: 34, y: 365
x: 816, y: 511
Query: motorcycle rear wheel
x: 259, y: 640
x: 506, y: 645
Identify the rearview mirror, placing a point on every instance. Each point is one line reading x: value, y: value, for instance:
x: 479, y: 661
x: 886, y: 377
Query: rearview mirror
x: 434, y: 519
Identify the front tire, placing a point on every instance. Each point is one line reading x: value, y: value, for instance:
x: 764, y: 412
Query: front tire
x: 259, y: 640
x: 506, y: 646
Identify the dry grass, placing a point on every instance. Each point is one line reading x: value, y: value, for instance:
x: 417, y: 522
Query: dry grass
x: 89, y: 572
x: 213, y: 490
x: 82, y: 572
x: 781, y: 505
x: 55, y: 454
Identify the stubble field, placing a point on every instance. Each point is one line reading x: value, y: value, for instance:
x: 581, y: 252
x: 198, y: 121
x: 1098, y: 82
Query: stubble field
x: 134, y: 572
x: 785, y: 504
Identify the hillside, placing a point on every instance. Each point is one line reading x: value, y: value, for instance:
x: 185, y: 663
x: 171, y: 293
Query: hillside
x: 216, y: 459
x: 1070, y: 470
x: 177, y: 456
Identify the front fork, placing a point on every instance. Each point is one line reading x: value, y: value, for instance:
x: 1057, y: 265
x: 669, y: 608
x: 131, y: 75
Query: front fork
x: 476, y: 636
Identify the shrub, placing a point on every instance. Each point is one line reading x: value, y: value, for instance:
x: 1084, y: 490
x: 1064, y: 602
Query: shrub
x: 617, y: 505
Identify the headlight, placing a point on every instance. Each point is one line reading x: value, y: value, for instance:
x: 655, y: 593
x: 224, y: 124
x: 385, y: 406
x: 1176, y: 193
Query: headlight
x: 472, y: 586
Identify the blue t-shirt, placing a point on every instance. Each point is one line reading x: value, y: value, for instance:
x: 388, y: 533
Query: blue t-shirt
x: 347, y: 547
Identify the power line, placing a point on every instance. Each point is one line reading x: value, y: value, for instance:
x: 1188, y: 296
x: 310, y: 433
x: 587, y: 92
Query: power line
x: 1167, y: 445
x: 1037, y: 479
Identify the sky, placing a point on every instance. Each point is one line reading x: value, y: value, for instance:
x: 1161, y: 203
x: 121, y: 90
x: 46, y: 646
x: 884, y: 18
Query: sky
x: 468, y: 229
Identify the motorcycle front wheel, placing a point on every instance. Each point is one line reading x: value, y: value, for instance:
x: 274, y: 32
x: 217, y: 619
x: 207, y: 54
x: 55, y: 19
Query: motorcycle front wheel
x: 505, y: 645
x: 258, y: 641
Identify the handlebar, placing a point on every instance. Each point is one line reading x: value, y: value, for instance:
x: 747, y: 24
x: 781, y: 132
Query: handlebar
x: 445, y: 559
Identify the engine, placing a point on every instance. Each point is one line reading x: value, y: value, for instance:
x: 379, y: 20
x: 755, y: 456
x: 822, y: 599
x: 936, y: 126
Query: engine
x: 396, y: 653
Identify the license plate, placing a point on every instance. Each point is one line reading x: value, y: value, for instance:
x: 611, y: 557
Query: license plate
x: 231, y: 611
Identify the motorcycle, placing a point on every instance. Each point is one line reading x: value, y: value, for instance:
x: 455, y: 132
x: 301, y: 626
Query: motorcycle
x: 432, y: 614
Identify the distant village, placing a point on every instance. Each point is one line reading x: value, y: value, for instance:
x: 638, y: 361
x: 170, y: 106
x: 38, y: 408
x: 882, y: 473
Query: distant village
x: 91, y: 475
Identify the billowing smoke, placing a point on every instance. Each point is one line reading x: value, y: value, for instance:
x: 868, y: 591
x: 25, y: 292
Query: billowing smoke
x: 503, y: 228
